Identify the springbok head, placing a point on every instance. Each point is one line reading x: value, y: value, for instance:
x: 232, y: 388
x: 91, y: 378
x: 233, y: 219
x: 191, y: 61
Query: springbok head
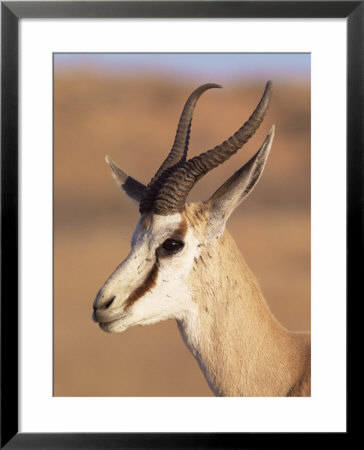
x: 152, y: 283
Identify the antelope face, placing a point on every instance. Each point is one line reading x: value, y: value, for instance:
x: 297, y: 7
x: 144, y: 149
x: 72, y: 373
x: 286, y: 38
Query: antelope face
x: 151, y: 284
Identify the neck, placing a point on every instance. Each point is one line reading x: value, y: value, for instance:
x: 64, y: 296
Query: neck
x: 239, y: 345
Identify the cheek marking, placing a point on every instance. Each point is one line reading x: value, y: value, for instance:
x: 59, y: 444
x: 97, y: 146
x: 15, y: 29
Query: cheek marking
x: 147, y: 285
x: 151, y: 279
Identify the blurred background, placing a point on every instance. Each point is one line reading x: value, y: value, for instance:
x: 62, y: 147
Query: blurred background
x: 128, y: 106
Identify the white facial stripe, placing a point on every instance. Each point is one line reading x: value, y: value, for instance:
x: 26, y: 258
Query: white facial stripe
x: 160, y: 295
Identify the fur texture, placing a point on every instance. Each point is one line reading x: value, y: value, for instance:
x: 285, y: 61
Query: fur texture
x: 220, y: 310
x: 202, y: 280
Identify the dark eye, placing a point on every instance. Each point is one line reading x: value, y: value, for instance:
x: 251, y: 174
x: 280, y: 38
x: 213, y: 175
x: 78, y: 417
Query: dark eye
x: 172, y: 246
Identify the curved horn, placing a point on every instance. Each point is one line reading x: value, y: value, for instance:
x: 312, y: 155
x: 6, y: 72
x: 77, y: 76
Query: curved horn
x: 173, y: 194
x: 178, y: 153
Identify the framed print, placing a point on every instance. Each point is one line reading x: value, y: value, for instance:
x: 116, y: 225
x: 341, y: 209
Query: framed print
x: 82, y: 80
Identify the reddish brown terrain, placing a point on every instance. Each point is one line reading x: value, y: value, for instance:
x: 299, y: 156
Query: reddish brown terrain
x: 134, y: 121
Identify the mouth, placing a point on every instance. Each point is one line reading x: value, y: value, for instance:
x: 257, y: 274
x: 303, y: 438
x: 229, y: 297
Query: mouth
x: 111, y: 325
x: 114, y: 326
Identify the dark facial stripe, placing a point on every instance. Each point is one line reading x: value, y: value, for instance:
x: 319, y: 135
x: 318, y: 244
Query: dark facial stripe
x: 181, y: 231
x: 147, y: 285
x: 151, y: 278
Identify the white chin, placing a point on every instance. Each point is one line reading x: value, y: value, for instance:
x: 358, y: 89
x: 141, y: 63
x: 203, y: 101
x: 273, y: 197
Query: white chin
x: 117, y: 326
x: 122, y: 324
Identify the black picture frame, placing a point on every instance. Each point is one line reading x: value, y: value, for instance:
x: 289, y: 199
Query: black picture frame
x: 11, y: 12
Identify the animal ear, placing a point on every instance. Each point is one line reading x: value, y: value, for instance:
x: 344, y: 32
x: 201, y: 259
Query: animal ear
x: 132, y: 187
x: 223, y: 202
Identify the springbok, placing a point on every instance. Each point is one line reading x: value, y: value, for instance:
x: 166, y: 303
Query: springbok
x: 184, y: 265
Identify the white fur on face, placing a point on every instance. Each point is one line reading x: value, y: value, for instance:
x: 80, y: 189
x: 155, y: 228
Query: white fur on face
x: 168, y: 296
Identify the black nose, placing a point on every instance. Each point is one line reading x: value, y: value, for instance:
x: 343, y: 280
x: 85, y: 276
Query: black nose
x: 104, y: 304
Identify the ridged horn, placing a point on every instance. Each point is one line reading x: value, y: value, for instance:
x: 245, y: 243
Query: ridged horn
x: 172, y: 196
x: 177, y: 155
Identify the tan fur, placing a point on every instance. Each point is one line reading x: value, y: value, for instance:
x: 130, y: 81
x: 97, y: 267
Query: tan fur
x: 207, y: 287
x: 181, y: 231
x: 240, y: 346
